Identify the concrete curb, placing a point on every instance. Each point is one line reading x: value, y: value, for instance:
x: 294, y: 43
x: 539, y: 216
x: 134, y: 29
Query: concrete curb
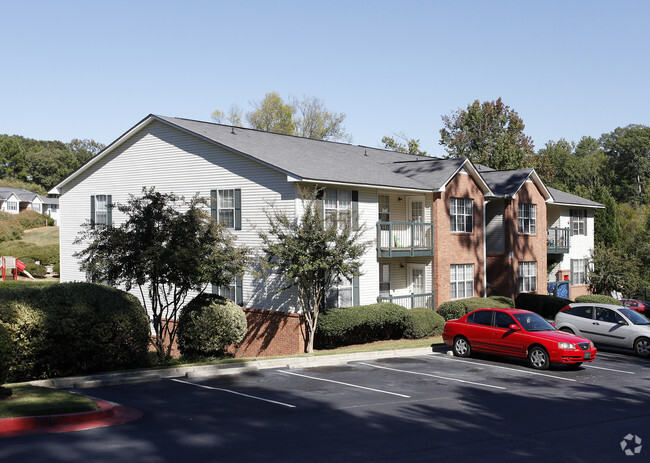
x: 204, y: 371
x: 108, y: 414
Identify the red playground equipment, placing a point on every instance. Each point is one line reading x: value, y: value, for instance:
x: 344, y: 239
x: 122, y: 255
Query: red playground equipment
x: 11, y: 266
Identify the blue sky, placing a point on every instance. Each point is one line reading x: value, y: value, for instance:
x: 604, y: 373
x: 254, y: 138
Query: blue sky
x: 92, y: 69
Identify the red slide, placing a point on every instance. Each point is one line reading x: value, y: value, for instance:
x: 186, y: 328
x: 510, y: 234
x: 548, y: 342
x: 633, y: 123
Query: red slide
x: 21, y: 268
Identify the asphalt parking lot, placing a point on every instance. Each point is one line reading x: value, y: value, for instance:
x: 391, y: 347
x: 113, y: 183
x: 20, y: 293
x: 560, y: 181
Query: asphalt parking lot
x: 429, y: 407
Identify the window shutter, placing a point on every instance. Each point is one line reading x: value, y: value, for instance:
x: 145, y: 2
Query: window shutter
x: 469, y: 226
x: 92, y: 212
x: 237, y: 209
x: 585, y: 211
x: 355, y: 210
x: 213, y: 210
x: 215, y: 289
x: 355, y: 291
x: 572, y: 268
x: 239, y: 291
x: 109, y: 210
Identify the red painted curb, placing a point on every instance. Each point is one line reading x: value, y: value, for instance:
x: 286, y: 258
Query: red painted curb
x: 108, y: 414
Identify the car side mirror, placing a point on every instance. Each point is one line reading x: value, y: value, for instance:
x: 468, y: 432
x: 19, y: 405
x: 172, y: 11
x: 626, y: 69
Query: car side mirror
x: 513, y: 327
x: 621, y: 322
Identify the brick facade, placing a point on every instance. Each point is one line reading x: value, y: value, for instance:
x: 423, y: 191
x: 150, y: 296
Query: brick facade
x: 272, y: 333
x: 457, y: 248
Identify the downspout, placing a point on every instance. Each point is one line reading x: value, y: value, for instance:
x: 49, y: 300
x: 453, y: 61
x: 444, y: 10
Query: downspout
x: 484, y: 251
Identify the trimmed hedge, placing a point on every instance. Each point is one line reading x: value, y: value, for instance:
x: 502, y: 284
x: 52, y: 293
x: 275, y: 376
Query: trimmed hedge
x: 423, y: 323
x: 452, y: 310
x: 544, y: 305
x: 360, y: 325
x: 208, y: 324
x: 599, y: 299
x: 504, y: 300
x: 72, y: 328
x: 46, y: 255
x: 37, y: 271
x: 5, y: 352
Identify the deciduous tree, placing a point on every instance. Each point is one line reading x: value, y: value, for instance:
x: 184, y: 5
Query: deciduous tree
x: 165, y: 248
x: 401, y: 143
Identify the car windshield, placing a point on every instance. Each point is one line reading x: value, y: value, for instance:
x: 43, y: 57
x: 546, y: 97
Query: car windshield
x: 533, y: 322
x: 635, y: 317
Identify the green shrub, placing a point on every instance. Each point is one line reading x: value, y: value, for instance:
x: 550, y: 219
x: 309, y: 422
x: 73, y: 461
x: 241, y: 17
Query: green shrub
x: 72, y: 328
x: 37, y: 271
x: 504, y: 300
x: 544, y: 305
x: 452, y: 310
x: 360, y: 325
x: 208, y: 324
x: 31, y: 219
x: 46, y: 255
x: 599, y: 299
x: 5, y: 352
x: 474, y: 303
x: 10, y: 229
x: 423, y: 323
x: 56, y: 270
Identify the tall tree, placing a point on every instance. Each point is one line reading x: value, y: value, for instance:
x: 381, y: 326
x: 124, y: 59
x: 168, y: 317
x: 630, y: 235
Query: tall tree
x: 311, y: 253
x: 12, y: 159
x: 488, y: 133
x: 163, y: 252
x: 308, y: 117
x: 628, y: 149
x: 401, y: 143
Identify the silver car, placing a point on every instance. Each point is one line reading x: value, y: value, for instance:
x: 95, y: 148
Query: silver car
x: 606, y: 324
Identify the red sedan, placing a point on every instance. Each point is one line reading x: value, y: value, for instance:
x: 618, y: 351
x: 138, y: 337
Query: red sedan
x: 516, y: 333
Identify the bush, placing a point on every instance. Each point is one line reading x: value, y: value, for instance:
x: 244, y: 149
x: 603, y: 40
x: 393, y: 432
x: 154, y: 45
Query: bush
x: 208, y: 324
x: 71, y: 329
x: 37, y: 271
x: 452, y: 310
x: 9, y: 229
x: 423, y: 323
x: 504, y: 300
x: 474, y: 303
x: 599, y: 299
x: 544, y: 305
x: 56, y: 270
x: 29, y: 219
x: 360, y: 325
x: 5, y: 352
x: 46, y: 255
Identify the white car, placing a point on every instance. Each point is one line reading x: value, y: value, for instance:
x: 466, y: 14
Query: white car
x: 607, y: 324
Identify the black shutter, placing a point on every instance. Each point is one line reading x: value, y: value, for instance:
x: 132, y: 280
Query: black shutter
x: 355, y: 210
x: 237, y: 209
x: 213, y: 209
x: 109, y: 210
x: 92, y: 212
x: 239, y: 291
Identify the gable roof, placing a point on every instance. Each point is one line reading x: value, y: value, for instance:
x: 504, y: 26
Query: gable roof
x: 21, y: 194
x: 305, y: 159
x: 507, y: 183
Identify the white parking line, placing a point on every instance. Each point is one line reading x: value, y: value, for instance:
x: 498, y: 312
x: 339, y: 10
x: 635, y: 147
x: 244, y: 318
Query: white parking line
x: 610, y: 369
x: 433, y: 376
x: 456, y: 359
x: 234, y: 392
x: 345, y: 384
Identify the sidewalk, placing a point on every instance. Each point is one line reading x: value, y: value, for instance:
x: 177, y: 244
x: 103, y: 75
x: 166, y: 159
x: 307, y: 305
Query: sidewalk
x: 110, y: 414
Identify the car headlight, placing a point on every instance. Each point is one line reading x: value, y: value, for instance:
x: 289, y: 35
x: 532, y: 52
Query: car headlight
x: 566, y: 345
x: 591, y: 344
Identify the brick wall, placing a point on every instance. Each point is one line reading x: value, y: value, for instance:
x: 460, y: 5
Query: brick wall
x: 272, y: 333
x: 457, y: 248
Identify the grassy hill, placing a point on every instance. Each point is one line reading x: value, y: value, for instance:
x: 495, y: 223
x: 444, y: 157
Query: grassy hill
x: 42, y: 236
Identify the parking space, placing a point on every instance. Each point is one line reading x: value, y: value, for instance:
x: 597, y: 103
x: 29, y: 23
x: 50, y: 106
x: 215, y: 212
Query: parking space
x: 381, y: 410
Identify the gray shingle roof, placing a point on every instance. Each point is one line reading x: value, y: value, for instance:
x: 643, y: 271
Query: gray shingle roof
x: 23, y: 195
x: 561, y: 197
x: 505, y: 182
x: 306, y: 158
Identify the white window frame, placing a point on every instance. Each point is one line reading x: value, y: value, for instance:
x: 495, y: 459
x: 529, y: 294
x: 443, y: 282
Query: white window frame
x: 578, y: 221
x: 527, y: 277
x: 229, y: 292
x: 409, y: 269
x: 338, y: 292
x: 336, y: 205
x: 460, y: 220
x: 101, y: 214
x: 12, y: 206
x: 461, y: 281
x: 527, y: 218
x: 226, y: 204
x: 383, y: 204
x: 579, y: 271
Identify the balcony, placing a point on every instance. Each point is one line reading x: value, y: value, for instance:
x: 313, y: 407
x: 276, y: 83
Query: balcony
x: 410, y: 300
x: 404, y: 239
x: 557, y: 240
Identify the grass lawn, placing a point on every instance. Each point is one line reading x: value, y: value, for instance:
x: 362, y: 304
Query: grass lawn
x: 29, y: 400
x: 42, y: 236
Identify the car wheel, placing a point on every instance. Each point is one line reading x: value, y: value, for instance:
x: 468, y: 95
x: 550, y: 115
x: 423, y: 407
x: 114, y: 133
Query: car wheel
x: 538, y: 358
x: 462, y: 347
x: 642, y: 347
x: 567, y: 330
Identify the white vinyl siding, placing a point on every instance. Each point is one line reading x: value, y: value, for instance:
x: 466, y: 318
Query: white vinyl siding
x: 173, y: 161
